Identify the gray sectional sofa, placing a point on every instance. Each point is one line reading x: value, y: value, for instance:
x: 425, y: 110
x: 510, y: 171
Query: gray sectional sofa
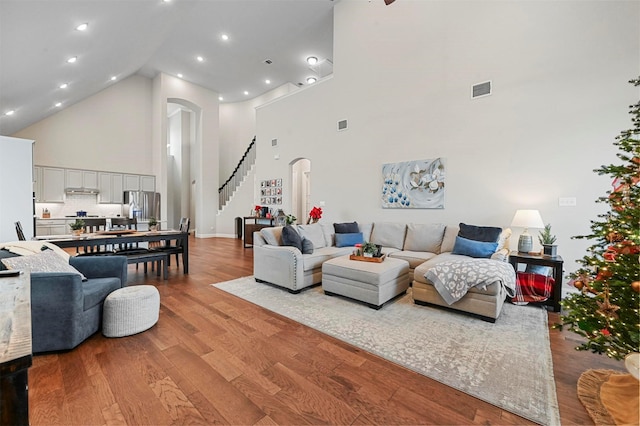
x: 423, y: 246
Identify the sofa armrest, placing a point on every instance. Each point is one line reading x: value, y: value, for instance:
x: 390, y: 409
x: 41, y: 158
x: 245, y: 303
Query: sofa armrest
x: 279, y: 265
x: 50, y: 290
x: 102, y: 267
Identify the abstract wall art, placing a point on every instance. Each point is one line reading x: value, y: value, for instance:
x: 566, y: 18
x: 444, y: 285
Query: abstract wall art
x: 413, y: 184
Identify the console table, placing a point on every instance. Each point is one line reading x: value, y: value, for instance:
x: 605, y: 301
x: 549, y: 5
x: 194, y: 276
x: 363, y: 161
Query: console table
x: 15, y: 348
x: 251, y: 224
x: 554, y: 262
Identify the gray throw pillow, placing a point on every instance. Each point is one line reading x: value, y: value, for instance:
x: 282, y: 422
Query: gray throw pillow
x: 307, y: 246
x: 488, y: 234
x: 290, y: 237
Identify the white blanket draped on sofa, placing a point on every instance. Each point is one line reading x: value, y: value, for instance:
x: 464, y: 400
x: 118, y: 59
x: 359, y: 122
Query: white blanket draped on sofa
x: 453, y: 279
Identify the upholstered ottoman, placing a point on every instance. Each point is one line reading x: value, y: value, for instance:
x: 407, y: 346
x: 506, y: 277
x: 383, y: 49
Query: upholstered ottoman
x: 369, y: 282
x: 130, y: 310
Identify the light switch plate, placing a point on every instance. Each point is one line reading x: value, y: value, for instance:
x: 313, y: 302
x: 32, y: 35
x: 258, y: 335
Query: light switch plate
x: 567, y: 201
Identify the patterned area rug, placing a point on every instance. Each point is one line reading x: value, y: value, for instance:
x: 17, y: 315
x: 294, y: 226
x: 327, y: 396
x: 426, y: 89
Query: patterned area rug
x: 507, y: 364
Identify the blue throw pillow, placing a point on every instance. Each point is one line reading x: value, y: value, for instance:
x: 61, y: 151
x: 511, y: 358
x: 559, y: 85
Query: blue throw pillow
x: 307, y: 246
x: 290, y: 237
x: 346, y: 240
x: 474, y: 248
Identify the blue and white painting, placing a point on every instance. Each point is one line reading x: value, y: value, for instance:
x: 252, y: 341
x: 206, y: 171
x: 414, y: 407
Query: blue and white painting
x: 413, y: 184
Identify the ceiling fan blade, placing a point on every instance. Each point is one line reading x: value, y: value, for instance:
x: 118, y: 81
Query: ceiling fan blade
x: 388, y: 2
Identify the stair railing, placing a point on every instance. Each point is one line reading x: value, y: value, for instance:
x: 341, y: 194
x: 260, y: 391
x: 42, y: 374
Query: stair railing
x: 244, y: 165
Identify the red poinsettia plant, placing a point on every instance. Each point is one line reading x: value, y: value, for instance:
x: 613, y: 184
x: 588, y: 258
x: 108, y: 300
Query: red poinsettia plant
x: 315, y: 214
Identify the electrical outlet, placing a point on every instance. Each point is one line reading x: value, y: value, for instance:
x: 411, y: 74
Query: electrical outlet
x: 321, y: 203
x: 567, y: 201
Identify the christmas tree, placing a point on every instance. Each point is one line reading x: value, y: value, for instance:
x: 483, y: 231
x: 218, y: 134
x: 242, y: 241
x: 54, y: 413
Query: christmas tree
x: 605, y: 311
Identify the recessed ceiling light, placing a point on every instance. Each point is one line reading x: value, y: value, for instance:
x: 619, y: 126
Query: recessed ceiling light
x: 58, y: 104
x: 9, y: 112
x: 166, y: 1
x: 82, y: 27
x: 64, y: 85
x: 72, y: 59
x: 312, y: 60
x: 179, y: 75
x: 220, y: 98
x: 224, y: 37
x: 311, y: 80
x: 114, y: 78
x: 246, y: 93
x: 267, y: 81
x: 199, y: 58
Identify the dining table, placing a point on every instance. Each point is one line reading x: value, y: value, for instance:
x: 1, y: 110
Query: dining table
x: 125, y: 237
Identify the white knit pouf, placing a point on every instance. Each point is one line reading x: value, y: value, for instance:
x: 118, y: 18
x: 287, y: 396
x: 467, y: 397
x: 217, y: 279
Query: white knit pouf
x: 130, y: 310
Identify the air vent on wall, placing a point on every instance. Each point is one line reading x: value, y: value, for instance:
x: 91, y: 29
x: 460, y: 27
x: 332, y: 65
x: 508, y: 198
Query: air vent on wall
x: 342, y: 125
x: 481, y: 89
x: 274, y: 142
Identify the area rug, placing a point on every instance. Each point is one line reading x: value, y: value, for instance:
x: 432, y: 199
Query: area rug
x: 507, y: 364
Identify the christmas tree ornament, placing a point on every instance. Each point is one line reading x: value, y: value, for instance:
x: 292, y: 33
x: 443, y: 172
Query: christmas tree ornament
x: 635, y: 286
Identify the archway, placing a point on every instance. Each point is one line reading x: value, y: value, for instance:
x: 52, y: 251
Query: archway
x: 301, y: 188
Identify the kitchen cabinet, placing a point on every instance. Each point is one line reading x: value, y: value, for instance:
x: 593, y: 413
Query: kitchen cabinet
x: 37, y: 183
x: 53, y: 184
x: 52, y: 227
x: 131, y: 183
x: 148, y: 183
x: 111, y: 188
x: 81, y: 178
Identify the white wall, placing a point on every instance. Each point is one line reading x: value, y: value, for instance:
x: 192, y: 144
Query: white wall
x: 238, y: 127
x: 109, y: 131
x: 402, y: 77
x: 16, y: 187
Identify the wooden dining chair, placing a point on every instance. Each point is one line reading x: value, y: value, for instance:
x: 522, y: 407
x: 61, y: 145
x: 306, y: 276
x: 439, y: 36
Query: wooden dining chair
x: 91, y: 226
x: 176, y: 248
x: 19, y: 231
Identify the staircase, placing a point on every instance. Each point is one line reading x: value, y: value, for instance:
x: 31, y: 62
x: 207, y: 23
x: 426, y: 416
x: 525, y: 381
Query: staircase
x: 245, y: 165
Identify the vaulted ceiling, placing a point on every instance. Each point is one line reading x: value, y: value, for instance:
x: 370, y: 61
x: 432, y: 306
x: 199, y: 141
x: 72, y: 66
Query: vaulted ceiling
x: 146, y: 37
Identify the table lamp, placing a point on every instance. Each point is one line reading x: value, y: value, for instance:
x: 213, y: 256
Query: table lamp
x: 526, y: 219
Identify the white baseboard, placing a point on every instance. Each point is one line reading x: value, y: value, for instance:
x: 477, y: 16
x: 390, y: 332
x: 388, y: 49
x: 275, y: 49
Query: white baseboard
x: 216, y: 236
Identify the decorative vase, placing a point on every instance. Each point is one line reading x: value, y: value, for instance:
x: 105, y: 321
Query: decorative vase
x: 76, y: 232
x: 153, y: 228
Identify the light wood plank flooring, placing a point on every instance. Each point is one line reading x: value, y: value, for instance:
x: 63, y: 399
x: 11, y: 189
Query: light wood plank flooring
x: 216, y: 359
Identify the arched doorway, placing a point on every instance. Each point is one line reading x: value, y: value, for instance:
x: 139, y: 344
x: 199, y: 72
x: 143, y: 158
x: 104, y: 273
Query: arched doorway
x: 301, y: 188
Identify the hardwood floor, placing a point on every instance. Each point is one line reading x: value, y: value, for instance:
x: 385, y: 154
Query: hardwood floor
x: 213, y: 358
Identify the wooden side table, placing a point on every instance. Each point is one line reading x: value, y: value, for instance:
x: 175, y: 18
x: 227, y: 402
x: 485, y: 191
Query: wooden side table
x: 250, y: 224
x: 15, y: 348
x: 555, y: 263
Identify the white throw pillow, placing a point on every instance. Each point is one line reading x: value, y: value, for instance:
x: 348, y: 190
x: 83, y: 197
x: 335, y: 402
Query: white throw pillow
x: 314, y: 234
x: 424, y: 237
x: 389, y: 234
x: 45, y: 261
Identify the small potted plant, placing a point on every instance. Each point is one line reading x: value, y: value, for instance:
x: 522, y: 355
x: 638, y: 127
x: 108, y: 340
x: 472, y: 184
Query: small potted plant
x: 369, y: 249
x: 290, y: 219
x: 548, y: 241
x: 153, y: 224
x: 77, y: 227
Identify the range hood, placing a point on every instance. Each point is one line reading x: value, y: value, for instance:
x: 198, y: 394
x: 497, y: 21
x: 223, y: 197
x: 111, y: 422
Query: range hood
x: 82, y: 191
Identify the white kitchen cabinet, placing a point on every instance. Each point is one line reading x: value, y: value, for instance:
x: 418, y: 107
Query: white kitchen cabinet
x: 53, y: 184
x: 37, y: 183
x: 131, y: 183
x: 111, y: 189
x: 148, y: 183
x: 51, y: 227
x: 81, y: 178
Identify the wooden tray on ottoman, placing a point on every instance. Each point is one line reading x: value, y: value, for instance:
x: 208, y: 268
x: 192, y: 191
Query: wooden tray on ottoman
x: 367, y: 259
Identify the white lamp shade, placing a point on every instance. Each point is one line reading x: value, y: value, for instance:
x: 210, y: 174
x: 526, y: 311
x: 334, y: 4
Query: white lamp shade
x: 527, y: 219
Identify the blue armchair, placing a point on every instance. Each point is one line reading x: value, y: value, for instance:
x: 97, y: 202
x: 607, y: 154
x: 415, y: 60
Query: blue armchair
x: 66, y: 310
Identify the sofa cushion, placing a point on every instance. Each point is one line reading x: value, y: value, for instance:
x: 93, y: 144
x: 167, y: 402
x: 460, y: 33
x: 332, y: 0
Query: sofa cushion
x: 449, y: 239
x: 478, y: 249
x: 366, y: 229
x: 313, y: 233
x: 389, y: 234
x: 349, y: 240
x: 319, y: 256
x: 290, y: 237
x: 307, y: 246
x: 424, y: 237
x: 415, y: 258
x: 479, y: 233
x: 346, y: 228
x: 96, y: 290
x: 45, y: 261
x: 273, y: 236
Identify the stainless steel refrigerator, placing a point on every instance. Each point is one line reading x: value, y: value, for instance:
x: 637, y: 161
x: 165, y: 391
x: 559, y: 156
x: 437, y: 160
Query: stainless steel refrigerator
x: 142, y: 205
